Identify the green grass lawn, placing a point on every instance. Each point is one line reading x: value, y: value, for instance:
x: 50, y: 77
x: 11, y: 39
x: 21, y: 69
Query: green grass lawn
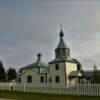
x: 37, y: 96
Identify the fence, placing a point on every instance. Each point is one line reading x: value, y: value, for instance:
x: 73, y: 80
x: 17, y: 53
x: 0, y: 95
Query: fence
x: 79, y: 89
x: 7, y: 86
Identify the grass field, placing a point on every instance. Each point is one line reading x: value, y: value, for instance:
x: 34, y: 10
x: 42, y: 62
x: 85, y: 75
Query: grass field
x: 37, y: 96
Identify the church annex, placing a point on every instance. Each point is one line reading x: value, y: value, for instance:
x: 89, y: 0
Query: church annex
x: 59, y: 72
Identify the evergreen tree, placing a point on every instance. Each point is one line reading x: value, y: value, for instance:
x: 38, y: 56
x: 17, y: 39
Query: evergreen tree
x: 2, y: 72
x: 11, y: 74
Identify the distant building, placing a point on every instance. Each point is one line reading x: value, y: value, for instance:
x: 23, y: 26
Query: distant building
x: 59, y: 72
x: 87, y: 76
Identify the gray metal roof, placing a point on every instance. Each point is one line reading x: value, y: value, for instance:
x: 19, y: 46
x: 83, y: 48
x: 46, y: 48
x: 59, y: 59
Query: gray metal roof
x: 75, y: 74
x: 35, y: 65
x: 62, y: 44
x: 58, y: 60
x: 38, y: 64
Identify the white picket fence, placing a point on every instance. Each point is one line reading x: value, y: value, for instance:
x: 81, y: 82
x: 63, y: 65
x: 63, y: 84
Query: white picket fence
x: 7, y: 85
x: 79, y: 89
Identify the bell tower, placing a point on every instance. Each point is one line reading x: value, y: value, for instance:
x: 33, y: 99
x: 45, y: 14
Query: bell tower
x: 62, y: 51
x: 62, y: 65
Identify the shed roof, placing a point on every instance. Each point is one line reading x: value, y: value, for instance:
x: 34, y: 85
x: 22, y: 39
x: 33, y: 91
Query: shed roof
x: 75, y: 74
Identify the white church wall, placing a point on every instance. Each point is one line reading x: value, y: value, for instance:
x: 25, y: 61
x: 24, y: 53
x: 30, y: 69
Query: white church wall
x: 35, y: 78
x: 61, y: 73
x: 69, y: 68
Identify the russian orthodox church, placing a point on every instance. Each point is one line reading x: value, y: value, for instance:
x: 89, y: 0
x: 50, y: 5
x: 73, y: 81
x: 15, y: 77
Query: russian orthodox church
x: 59, y: 72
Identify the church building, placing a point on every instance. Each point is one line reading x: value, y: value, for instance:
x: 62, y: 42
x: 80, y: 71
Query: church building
x: 59, y: 72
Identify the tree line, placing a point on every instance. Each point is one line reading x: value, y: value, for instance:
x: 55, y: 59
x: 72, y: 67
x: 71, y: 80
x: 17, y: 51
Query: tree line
x: 8, y: 75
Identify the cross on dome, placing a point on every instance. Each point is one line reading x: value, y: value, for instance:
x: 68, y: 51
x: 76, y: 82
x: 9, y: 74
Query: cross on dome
x: 61, y: 32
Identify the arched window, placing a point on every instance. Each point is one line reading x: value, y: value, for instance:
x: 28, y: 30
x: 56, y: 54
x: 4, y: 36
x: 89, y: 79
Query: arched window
x: 57, y: 79
x: 42, y: 79
x: 57, y: 67
x: 29, y: 79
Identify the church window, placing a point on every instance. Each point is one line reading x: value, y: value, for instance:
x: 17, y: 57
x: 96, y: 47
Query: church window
x: 29, y: 79
x: 68, y: 53
x: 65, y: 53
x: 56, y: 67
x: 57, y: 79
x: 19, y: 79
x: 42, y: 79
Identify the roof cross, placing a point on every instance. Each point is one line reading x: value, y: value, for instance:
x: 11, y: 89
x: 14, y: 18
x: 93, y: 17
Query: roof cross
x: 61, y: 26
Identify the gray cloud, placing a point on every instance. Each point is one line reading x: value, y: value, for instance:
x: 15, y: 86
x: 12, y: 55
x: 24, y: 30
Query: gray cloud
x: 29, y: 27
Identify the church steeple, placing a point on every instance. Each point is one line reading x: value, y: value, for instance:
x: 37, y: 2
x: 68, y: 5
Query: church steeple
x: 61, y: 43
x: 39, y: 57
x: 62, y: 51
x: 61, y: 34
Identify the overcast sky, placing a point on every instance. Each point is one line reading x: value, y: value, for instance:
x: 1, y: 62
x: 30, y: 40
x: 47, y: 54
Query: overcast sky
x: 31, y: 26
